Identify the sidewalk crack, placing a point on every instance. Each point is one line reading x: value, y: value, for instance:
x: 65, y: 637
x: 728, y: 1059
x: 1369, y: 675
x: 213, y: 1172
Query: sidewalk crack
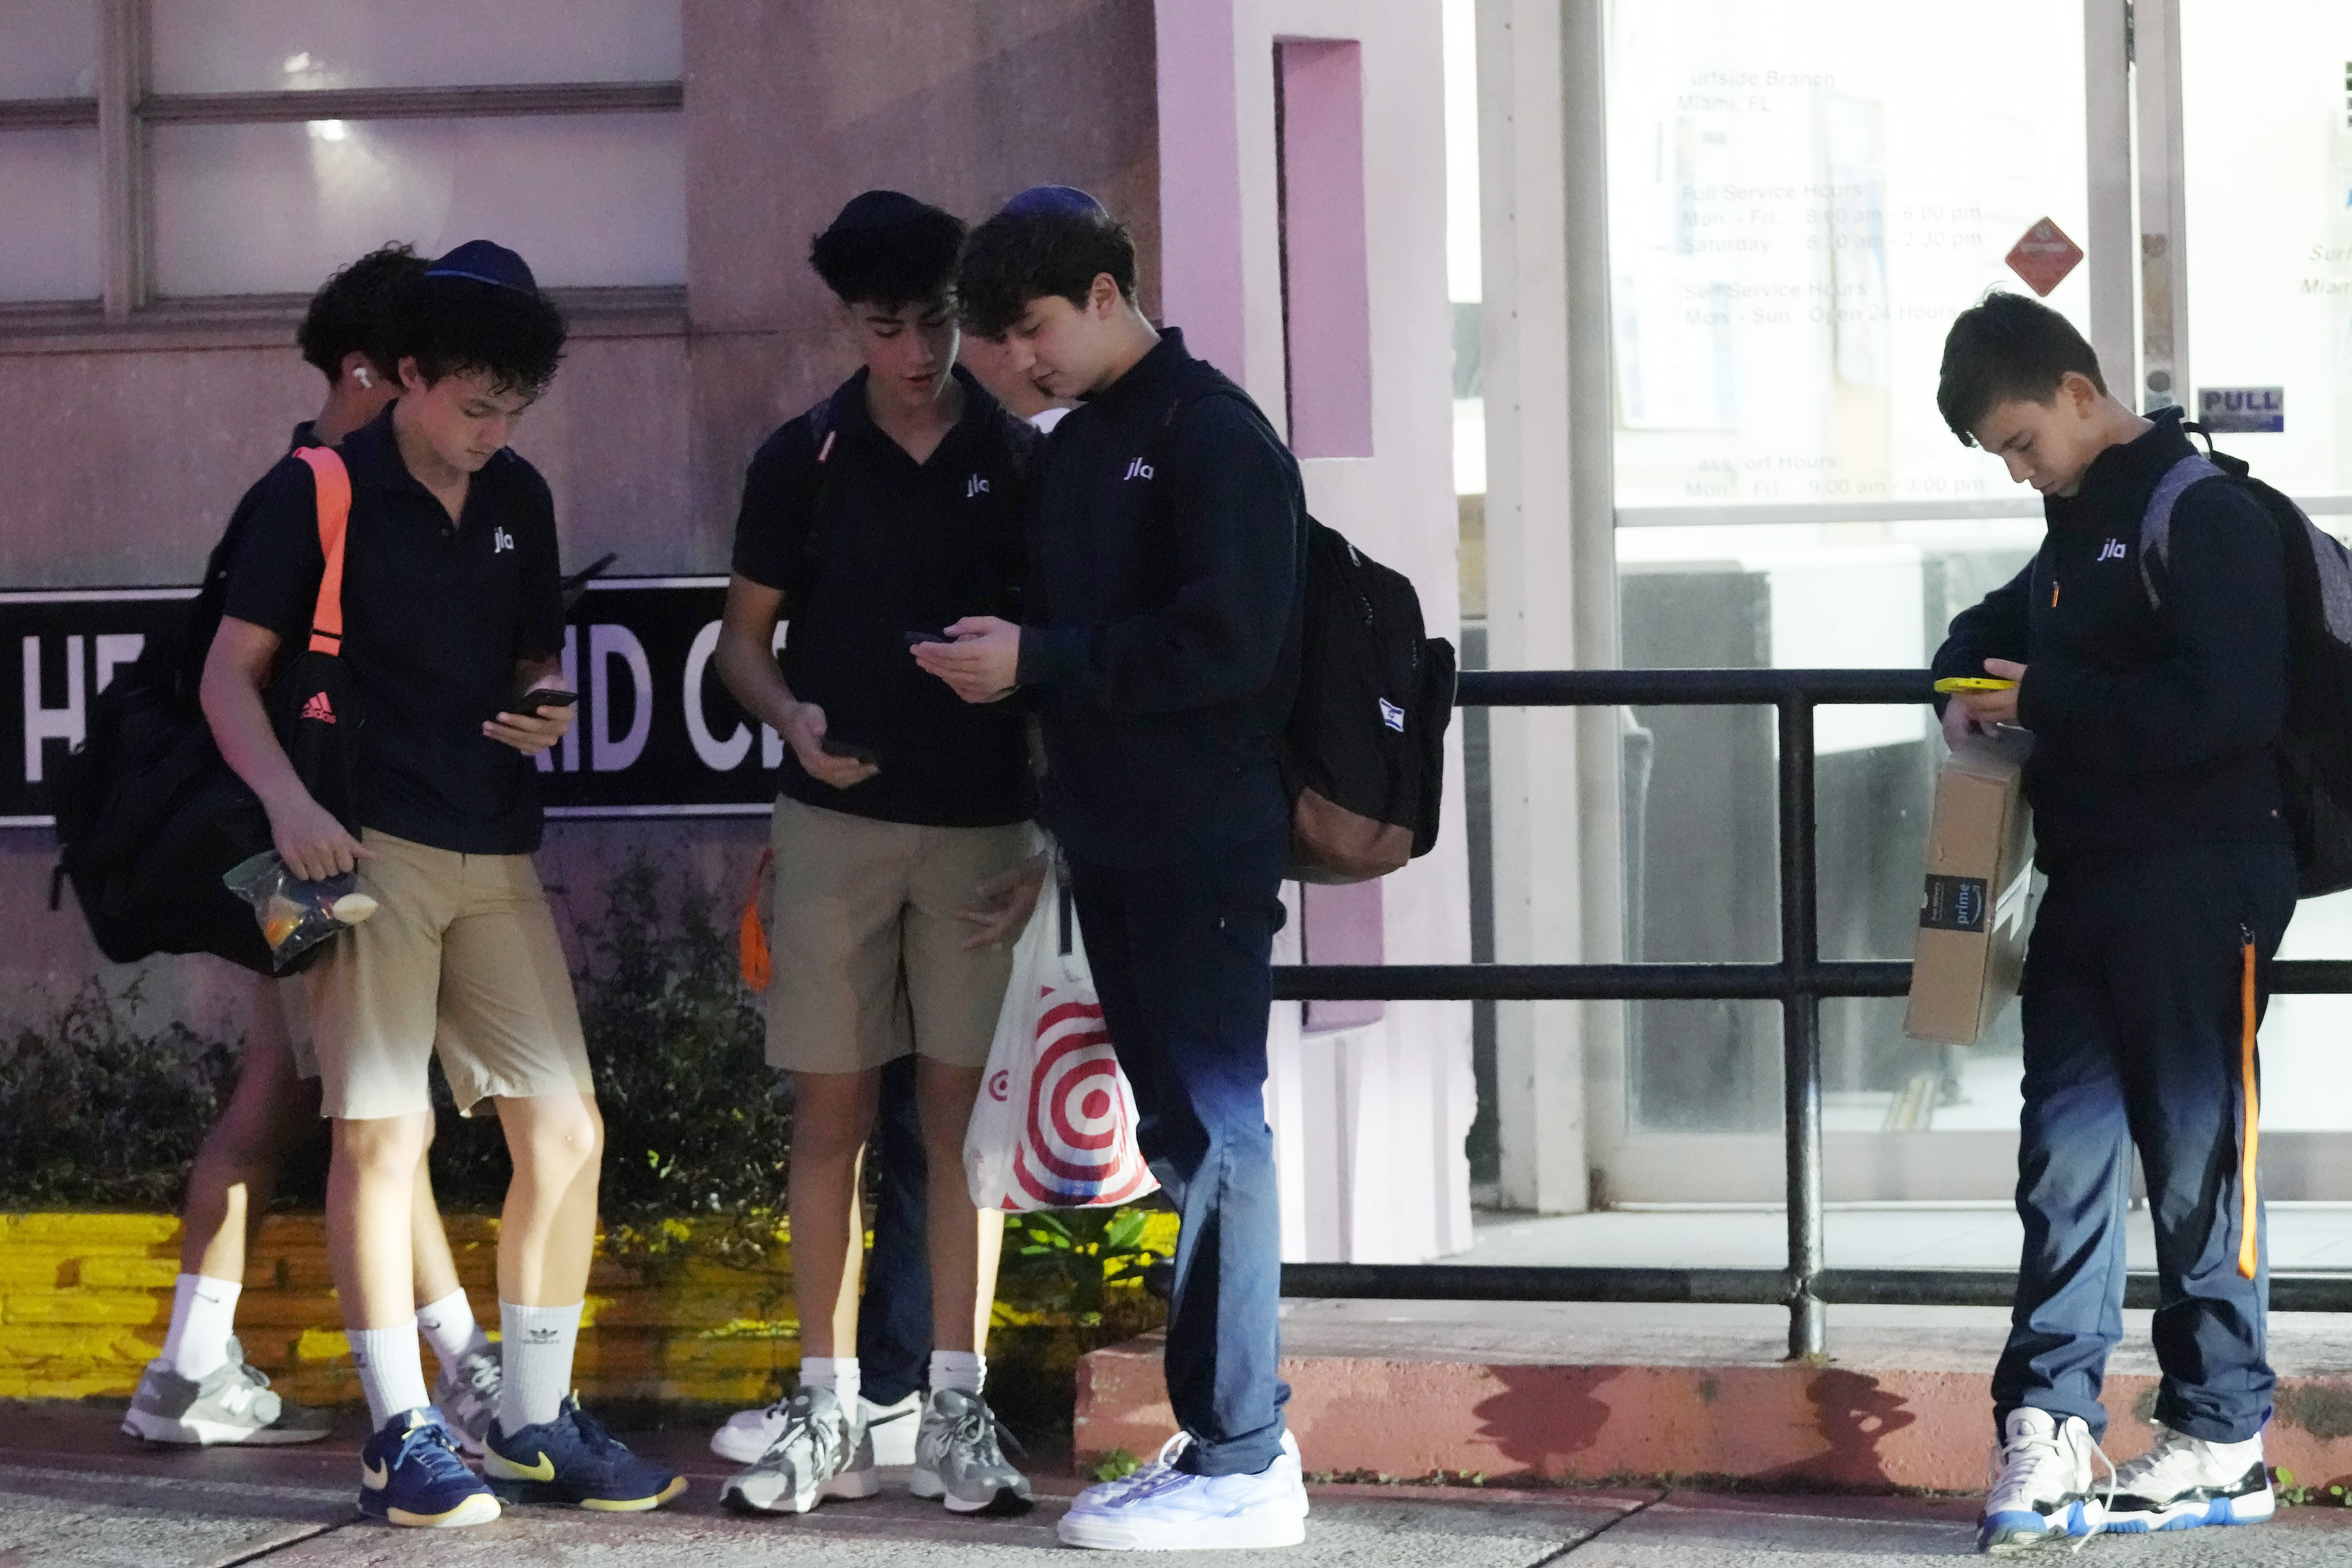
x: 273, y: 1547
x: 1578, y: 1545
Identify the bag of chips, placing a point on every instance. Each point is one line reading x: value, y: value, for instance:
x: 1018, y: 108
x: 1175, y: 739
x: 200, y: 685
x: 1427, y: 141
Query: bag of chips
x: 296, y: 916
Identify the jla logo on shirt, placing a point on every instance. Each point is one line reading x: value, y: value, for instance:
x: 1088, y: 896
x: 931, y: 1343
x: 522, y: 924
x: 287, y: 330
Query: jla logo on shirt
x: 2113, y: 549
x: 1138, y: 470
x: 976, y: 485
x: 500, y: 540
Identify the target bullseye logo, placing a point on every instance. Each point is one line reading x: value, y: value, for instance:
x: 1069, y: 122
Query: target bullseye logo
x: 1079, y: 1143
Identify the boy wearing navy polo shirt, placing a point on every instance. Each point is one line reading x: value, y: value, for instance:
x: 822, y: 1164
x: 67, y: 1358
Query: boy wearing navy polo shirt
x: 901, y: 834
x: 453, y: 617
x: 1160, y: 637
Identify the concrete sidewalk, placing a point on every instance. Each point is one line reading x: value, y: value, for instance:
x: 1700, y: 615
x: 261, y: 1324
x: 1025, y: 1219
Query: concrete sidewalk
x: 74, y: 1495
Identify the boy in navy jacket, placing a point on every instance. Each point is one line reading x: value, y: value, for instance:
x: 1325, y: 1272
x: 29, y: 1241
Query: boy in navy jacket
x: 2155, y: 691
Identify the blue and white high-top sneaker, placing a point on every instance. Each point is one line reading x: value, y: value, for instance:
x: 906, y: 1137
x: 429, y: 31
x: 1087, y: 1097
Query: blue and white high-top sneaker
x: 2184, y: 1482
x: 2044, y: 1490
x: 1162, y: 1508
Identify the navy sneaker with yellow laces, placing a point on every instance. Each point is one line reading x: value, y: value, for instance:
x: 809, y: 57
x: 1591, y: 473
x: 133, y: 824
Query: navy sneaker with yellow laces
x: 411, y: 1473
x: 574, y: 1462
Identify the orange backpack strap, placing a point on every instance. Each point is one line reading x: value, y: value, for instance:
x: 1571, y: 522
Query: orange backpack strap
x: 334, y: 486
x: 752, y: 937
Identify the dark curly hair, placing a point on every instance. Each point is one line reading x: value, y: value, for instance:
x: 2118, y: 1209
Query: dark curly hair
x: 356, y: 312
x: 1020, y: 255
x: 912, y: 262
x: 2008, y: 348
x: 451, y: 326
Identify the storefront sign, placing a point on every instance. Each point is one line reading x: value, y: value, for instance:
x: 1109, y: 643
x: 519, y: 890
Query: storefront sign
x: 656, y: 733
x: 2242, y: 410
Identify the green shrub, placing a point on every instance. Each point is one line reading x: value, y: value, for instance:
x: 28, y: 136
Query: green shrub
x: 98, y: 1112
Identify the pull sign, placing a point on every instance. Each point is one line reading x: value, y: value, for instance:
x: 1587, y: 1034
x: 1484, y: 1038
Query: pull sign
x: 2242, y: 410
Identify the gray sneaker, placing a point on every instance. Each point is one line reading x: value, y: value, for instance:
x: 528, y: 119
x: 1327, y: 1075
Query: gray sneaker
x: 232, y: 1404
x: 959, y: 1461
x: 468, y: 1396
x: 821, y: 1452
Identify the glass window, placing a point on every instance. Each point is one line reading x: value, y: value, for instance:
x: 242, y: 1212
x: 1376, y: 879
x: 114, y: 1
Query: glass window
x: 1803, y: 194
x: 262, y: 46
x: 50, y: 189
x: 49, y: 49
x: 590, y: 200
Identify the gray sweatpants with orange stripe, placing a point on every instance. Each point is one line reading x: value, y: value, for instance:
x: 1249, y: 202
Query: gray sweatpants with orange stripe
x: 2143, y: 981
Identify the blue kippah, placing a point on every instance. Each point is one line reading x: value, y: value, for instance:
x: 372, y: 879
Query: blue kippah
x: 879, y: 209
x: 485, y: 261
x: 1068, y: 201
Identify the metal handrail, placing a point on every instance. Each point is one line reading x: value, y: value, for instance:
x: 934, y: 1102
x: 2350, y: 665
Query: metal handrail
x: 1799, y: 981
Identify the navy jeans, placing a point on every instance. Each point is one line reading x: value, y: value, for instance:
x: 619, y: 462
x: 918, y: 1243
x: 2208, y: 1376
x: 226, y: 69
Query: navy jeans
x: 894, y: 1314
x: 1181, y: 957
x: 2133, y: 1024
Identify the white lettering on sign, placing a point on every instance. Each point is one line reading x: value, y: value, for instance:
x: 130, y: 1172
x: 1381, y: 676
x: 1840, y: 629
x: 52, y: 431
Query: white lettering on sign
x: 42, y: 723
x: 719, y: 756
x: 2242, y: 410
x: 114, y: 650
x: 607, y: 645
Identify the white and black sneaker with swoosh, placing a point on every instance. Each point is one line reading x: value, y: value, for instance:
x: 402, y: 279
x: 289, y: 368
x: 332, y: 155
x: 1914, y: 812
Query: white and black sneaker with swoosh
x: 2186, y: 1482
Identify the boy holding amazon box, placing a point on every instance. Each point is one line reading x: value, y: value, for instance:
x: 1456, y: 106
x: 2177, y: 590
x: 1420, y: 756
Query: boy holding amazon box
x: 2155, y: 699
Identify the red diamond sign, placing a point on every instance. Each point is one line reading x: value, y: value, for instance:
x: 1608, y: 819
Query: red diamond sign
x: 2044, y: 257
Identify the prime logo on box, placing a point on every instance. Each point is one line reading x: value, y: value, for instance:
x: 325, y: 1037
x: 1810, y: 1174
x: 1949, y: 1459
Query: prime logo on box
x: 656, y: 733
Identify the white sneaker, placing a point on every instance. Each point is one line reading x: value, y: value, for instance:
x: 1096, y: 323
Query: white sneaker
x: 893, y: 1427
x: 2043, y: 1489
x: 750, y: 1433
x: 1162, y: 1508
x: 2184, y: 1482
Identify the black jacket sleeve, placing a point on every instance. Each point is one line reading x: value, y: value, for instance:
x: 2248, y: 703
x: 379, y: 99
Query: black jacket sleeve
x: 1238, y: 518
x: 2218, y: 688
x: 1992, y: 628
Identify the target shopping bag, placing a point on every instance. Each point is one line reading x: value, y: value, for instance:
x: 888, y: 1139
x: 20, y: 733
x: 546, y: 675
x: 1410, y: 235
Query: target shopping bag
x: 1055, y: 1126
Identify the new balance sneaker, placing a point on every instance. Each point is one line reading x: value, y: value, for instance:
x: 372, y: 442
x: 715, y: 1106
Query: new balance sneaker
x: 819, y: 1452
x: 410, y: 1474
x: 891, y: 1426
x: 571, y: 1461
x: 959, y: 1459
x: 468, y: 1396
x: 232, y: 1404
x: 1162, y: 1508
x: 2184, y: 1482
x: 2043, y: 1492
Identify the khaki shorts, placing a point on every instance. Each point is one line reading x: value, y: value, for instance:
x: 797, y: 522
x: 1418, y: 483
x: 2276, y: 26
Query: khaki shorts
x: 461, y: 958
x: 869, y: 956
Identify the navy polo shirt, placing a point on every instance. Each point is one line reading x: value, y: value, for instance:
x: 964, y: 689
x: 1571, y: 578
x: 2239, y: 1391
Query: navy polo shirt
x: 435, y: 616
x: 868, y: 546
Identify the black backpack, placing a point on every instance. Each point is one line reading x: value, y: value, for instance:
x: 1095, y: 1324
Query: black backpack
x: 1364, y: 750
x: 2316, y: 746
x: 149, y: 816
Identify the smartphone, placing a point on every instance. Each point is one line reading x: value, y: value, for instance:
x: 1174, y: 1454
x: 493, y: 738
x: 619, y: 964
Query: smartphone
x: 545, y: 701
x: 1952, y: 683
x: 915, y: 638
x: 850, y: 749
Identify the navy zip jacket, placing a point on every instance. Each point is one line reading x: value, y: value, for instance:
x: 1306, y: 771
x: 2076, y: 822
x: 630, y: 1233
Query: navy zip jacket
x: 2152, y: 728
x: 1166, y: 568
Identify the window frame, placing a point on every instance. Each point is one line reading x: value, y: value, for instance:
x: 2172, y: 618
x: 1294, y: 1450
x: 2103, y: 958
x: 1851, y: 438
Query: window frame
x: 124, y: 112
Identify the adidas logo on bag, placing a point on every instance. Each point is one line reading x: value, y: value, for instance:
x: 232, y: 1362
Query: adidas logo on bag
x: 318, y: 707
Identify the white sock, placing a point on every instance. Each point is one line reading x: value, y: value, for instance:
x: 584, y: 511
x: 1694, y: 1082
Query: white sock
x: 449, y: 1328
x: 962, y: 1370
x: 392, y: 1371
x: 535, y: 1346
x: 838, y: 1372
x: 204, y: 1315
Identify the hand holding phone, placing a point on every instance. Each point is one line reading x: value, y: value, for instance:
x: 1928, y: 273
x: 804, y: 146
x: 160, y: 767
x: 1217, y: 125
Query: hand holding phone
x: 849, y: 749
x: 548, y: 700
x: 916, y: 639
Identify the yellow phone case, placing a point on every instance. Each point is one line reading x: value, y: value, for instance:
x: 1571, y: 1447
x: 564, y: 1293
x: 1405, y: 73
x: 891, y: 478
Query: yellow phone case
x: 1952, y: 683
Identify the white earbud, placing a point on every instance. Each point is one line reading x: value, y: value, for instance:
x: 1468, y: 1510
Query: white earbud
x: 362, y: 375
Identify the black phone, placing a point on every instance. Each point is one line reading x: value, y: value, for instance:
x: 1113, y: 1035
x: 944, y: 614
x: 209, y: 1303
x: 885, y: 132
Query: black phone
x: 914, y: 637
x: 850, y: 749
x: 542, y: 702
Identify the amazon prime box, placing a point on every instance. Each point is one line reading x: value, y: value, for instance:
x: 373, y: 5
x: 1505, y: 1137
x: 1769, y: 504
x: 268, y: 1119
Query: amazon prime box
x: 1971, y: 944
